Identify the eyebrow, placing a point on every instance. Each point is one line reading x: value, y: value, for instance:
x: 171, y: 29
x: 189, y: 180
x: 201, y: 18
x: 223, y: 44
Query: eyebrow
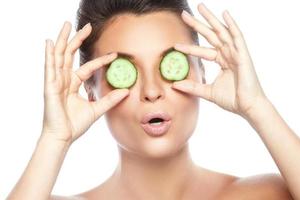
x: 132, y: 57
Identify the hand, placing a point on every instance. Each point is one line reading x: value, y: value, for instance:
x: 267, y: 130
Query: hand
x: 236, y: 88
x: 67, y: 115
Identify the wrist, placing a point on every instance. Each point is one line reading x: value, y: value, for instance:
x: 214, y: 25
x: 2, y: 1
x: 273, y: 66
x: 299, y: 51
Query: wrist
x: 262, y: 104
x: 47, y: 138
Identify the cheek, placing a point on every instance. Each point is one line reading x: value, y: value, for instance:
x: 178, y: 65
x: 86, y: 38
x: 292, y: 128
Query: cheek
x: 123, y: 123
x: 186, y: 106
x: 186, y: 119
x: 104, y: 87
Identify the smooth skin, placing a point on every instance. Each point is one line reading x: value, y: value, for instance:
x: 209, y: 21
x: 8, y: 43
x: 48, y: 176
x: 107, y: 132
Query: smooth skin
x: 67, y: 115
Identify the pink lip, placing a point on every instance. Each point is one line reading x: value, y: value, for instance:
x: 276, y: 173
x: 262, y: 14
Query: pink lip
x: 158, y: 114
x: 157, y: 130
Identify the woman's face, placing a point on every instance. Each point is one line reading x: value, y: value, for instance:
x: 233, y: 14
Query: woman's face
x: 146, y: 37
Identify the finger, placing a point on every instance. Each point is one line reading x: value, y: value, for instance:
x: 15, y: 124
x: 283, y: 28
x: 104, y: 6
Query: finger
x: 235, y: 31
x: 61, y: 44
x: 49, y: 62
x: 75, y: 43
x: 87, y: 70
x: 203, y: 52
x: 204, y: 30
x: 219, y: 28
x: 194, y: 88
x: 108, y: 101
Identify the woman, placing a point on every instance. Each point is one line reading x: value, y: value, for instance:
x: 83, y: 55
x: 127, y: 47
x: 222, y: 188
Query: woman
x: 154, y: 166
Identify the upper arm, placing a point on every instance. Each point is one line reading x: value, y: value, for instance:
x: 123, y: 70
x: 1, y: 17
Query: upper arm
x: 263, y: 186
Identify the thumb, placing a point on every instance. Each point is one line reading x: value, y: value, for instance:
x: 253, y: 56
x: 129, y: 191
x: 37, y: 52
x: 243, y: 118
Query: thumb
x: 194, y: 88
x: 108, y: 101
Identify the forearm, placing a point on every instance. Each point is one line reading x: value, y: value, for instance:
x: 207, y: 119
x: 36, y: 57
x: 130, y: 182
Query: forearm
x: 282, y: 143
x: 39, y: 177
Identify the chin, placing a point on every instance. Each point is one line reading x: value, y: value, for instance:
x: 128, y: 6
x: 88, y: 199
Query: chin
x: 161, y: 147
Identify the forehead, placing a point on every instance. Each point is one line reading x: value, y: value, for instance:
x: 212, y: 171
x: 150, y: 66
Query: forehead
x: 144, y: 35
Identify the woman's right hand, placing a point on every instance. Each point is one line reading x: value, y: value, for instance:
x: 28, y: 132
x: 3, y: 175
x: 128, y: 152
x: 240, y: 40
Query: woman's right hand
x: 67, y: 115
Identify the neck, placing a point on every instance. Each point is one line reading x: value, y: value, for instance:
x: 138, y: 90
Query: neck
x: 153, y: 178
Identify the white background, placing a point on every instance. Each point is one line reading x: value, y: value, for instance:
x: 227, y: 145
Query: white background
x: 222, y: 141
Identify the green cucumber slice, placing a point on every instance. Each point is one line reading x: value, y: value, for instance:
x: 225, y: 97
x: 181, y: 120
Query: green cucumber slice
x: 121, y: 73
x: 174, y: 66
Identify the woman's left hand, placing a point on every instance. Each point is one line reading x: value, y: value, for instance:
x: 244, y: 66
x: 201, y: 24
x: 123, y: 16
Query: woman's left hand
x: 236, y: 88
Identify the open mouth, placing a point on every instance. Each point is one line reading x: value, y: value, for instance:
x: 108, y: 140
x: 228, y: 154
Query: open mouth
x: 155, y: 118
x: 156, y: 126
x: 156, y: 121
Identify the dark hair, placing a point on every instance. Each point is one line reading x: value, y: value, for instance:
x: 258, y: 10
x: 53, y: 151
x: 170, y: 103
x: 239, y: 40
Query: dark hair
x: 100, y: 13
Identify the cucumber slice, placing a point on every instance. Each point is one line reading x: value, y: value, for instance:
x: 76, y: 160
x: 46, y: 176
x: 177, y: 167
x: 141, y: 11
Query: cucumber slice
x: 121, y: 73
x: 174, y: 66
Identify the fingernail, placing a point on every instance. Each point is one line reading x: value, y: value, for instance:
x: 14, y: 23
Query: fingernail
x: 113, y: 54
x: 202, y: 5
x: 49, y: 42
x: 226, y: 12
x: 88, y: 24
x: 178, y: 45
x: 65, y: 23
x: 119, y: 94
x: 85, y: 26
x: 125, y: 92
x: 186, y: 13
x: 180, y: 85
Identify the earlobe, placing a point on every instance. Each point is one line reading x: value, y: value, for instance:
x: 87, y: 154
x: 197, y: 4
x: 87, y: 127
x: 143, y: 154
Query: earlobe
x: 202, y: 70
x: 91, y: 96
x: 203, y: 79
x: 203, y: 74
x: 89, y: 92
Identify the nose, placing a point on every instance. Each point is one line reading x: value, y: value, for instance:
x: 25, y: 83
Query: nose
x: 151, y: 88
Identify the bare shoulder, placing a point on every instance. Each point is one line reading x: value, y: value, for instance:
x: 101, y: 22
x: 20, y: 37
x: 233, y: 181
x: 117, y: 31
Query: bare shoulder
x: 223, y: 187
x: 261, y: 186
